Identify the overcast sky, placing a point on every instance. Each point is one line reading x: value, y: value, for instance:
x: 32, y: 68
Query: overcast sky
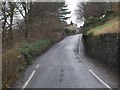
x: 73, y: 6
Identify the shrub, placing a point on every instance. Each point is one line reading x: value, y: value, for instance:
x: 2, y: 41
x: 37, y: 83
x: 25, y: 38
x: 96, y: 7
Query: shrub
x: 32, y: 50
x: 73, y: 31
x: 67, y: 30
x: 94, y: 21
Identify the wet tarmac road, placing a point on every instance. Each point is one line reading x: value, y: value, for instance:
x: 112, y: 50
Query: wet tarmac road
x: 62, y: 67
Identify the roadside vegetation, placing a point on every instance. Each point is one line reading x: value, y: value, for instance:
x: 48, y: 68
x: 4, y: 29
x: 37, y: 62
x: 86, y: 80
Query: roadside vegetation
x: 15, y: 60
x: 101, y: 32
x: 110, y: 26
x: 69, y: 31
x: 31, y: 50
x: 28, y: 30
x: 101, y: 42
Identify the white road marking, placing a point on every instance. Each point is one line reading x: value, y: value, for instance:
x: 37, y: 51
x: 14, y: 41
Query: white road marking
x: 37, y: 66
x: 29, y: 79
x: 100, y: 80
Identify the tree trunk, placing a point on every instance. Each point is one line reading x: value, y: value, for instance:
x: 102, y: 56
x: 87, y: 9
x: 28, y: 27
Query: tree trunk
x: 10, y: 30
x: 26, y: 29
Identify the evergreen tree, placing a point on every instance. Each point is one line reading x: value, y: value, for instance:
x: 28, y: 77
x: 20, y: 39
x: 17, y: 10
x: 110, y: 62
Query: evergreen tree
x: 63, y: 12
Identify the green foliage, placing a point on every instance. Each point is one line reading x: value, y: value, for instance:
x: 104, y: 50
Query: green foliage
x: 32, y: 50
x: 63, y: 12
x: 67, y: 31
x: 73, y: 31
x: 94, y: 21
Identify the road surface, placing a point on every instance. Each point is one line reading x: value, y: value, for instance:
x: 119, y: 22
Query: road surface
x: 63, y: 67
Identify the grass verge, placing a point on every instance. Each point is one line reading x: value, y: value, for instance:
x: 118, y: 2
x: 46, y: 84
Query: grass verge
x: 32, y: 50
x: 15, y: 60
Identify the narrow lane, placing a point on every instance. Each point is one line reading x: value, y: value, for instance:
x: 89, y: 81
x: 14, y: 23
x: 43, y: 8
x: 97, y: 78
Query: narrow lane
x: 61, y: 67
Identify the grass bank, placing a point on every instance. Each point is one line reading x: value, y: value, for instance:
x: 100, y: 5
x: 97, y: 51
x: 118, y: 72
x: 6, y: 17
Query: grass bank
x: 109, y: 27
x: 32, y: 50
x: 15, y: 60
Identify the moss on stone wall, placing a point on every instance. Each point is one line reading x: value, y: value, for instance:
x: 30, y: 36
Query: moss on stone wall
x: 103, y: 48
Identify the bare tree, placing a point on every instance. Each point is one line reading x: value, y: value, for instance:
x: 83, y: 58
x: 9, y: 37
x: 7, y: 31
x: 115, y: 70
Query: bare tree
x: 24, y: 9
x: 11, y: 13
x: 8, y: 11
x: 39, y: 20
x: 88, y: 9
